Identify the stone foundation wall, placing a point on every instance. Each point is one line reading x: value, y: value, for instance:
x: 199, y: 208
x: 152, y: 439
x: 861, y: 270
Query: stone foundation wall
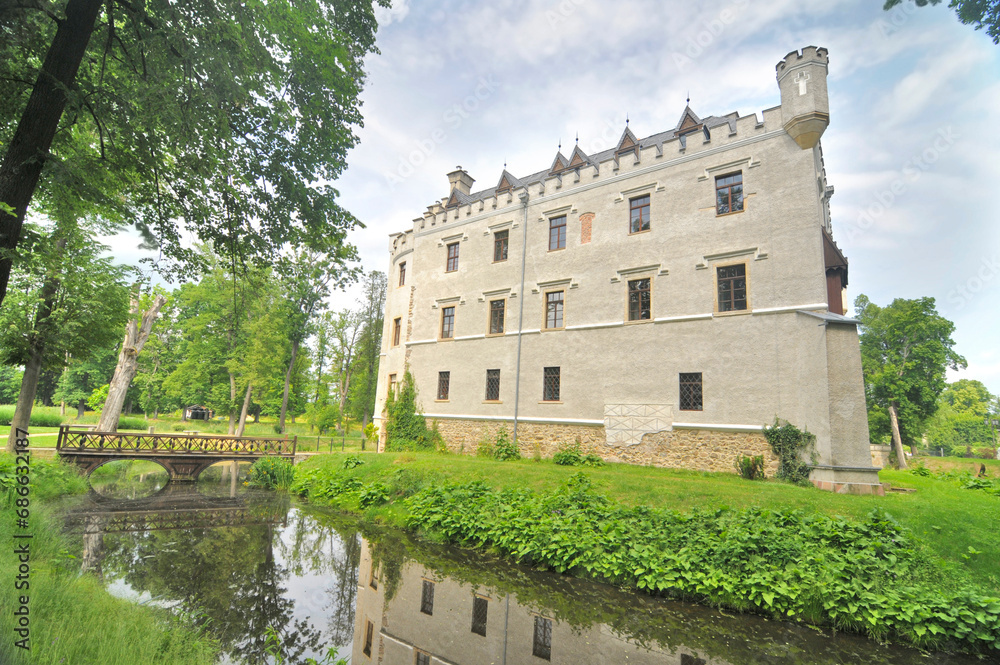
x: 702, y: 450
x: 880, y: 455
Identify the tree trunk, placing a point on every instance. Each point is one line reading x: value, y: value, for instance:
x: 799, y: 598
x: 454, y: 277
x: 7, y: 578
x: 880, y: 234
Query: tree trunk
x: 128, y: 363
x: 288, y: 383
x: 897, y: 440
x: 33, y: 367
x: 81, y: 408
x: 243, y: 412
x: 30, y: 144
x: 232, y: 401
x: 256, y: 415
x: 26, y: 398
x: 62, y: 408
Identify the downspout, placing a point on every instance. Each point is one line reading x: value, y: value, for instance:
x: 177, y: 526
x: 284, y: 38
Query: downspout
x: 523, y: 196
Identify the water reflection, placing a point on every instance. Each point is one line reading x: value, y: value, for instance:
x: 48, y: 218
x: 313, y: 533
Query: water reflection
x: 128, y: 479
x: 242, y: 561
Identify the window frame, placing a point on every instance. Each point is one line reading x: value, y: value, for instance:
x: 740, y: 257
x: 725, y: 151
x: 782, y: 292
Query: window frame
x: 501, y: 241
x: 421, y: 657
x: 369, y: 638
x: 392, y: 385
x: 427, y: 598
x: 449, y: 318
x: 503, y: 316
x: 451, y: 264
x: 546, y: 375
x: 718, y: 311
x: 690, y: 382
x: 631, y: 209
x: 402, y: 274
x: 562, y: 310
x: 729, y: 188
x: 561, y: 234
x: 479, y: 601
x: 540, y: 646
x: 444, y: 386
x: 487, y: 397
x: 628, y: 300
x: 397, y: 330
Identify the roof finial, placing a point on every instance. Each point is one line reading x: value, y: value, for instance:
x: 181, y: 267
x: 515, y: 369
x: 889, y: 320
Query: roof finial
x: 626, y: 118
x: 560, y: 145
x: 504, y: 163
x: 689, y: 98
x: 578, y: 138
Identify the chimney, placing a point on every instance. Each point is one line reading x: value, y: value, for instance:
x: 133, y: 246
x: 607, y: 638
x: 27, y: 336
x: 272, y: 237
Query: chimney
x: 460, y: 180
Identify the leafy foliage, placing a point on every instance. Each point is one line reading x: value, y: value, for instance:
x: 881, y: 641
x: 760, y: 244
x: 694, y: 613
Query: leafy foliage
x: 906, y: 348
x: 272, y: 473
x: 863, y: 576
x: 405, y: 427
x: 352, y: 461
x: 504, y: 448
x: 751, y: 468
x: 790, y: 443
x: 977, y: 13
x: 37, y: 419
x: 571, y: 456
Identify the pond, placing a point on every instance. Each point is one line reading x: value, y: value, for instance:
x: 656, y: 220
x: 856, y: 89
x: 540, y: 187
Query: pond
x: 239, y: 562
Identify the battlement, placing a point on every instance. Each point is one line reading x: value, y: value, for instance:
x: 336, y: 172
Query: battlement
x: 808, y: 54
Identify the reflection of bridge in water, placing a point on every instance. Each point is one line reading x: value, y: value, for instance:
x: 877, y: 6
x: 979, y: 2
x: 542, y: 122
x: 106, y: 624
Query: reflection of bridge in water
x: 176, y: 506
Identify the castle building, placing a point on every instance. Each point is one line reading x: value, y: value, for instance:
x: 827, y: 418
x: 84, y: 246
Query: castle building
x: 658, y: 302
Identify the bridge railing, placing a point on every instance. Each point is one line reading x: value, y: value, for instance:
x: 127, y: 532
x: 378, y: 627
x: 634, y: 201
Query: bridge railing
x: 88, y: 441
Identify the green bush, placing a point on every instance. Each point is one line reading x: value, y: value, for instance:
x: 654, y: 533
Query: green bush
x: 129, y: 422
x: 37, y: 419
x: 571, y: 456
x: 751, y: 468
x: 352, y: 461
x: 592, y: 460
x: 504, y: 448
x: 405, y: 427
x: 865, y: 576
x: 790, y: 443
x: 272, y: 473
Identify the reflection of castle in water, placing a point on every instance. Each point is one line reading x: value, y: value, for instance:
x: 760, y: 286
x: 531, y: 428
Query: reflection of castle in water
x: 433, y: 620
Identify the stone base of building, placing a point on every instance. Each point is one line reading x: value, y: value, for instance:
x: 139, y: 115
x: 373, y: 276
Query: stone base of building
x: 847, y: 480
x: 695, y: 449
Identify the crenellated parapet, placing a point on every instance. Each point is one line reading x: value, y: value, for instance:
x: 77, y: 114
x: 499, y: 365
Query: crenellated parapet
x: 805, y: 105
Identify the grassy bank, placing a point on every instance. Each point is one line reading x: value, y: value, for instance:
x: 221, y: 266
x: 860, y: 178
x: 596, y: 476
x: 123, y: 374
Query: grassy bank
x: 920, y: 569
x: 73, y: 618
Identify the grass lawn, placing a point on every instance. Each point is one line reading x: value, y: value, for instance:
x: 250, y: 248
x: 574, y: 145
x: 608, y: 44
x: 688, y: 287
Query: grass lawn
x: 947, y: 519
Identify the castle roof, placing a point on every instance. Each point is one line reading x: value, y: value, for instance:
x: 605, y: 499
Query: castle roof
x: 688, y: 122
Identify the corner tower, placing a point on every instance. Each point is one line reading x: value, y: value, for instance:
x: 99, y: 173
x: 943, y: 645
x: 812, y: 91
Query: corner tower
x: 805, y: 107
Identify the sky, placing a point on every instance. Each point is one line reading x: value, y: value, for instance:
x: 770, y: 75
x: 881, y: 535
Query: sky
x: 910, y: 148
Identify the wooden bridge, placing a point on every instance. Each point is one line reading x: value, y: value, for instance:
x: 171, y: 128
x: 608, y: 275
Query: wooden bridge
x: 184, y: 456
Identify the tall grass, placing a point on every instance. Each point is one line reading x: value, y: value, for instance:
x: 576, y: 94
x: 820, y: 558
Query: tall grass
x: 272, y: 473
x: 38, y: 418
x: 75, y: 620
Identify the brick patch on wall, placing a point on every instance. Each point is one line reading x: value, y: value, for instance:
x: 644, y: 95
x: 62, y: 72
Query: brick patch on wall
x: 586, y: 224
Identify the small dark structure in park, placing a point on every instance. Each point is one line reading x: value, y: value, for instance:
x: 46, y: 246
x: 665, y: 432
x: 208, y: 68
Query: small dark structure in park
x: 198, y: 412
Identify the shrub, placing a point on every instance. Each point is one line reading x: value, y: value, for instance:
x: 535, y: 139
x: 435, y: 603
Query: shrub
x: 373, y: 494
x: 405, y: 427
x: 504, y: 448
x: 568, y: 457
x: 352, y: 461
x: 133, y: 423
x: 272, y: 473
x: 790, y: 443
x: 37, y: 419
x: 751, y: 468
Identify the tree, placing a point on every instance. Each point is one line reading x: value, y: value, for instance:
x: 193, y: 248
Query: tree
x: 307, y: 278
x: 199, y: 109
x: 136, y: 333
x: 66, y: 299
x: 10, y: 384
x: 968, y: 396
x: 978, y: 13
x: 362, y: 395
x: 345, y: 329
x: 906, y: 348
x: 82, y: 377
